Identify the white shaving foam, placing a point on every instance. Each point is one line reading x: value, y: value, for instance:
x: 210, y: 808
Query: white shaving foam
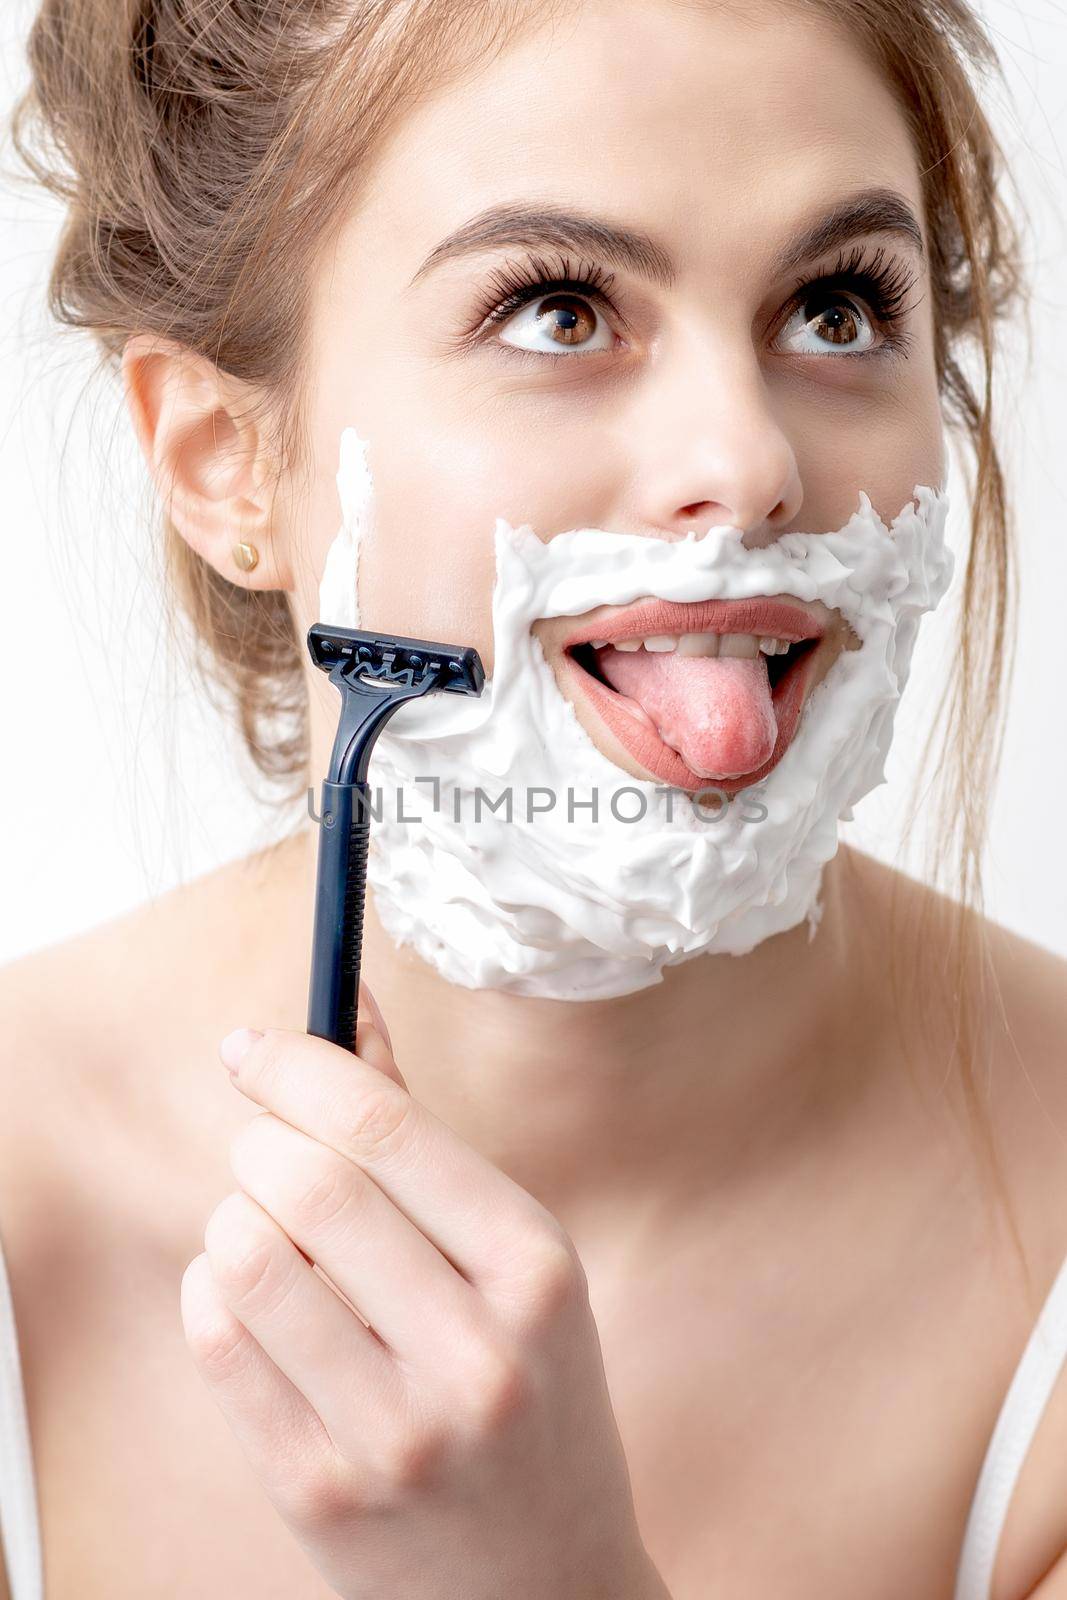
x: 559, y: 905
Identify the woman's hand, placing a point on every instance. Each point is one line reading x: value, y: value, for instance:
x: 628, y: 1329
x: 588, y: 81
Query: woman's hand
x: 463, y: 1445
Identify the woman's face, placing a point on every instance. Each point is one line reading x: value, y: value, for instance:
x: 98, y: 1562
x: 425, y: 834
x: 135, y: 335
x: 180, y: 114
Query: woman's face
x: 698, y: 379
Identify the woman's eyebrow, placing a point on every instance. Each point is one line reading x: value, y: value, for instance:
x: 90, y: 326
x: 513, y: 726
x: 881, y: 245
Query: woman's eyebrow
x: 532, y: 226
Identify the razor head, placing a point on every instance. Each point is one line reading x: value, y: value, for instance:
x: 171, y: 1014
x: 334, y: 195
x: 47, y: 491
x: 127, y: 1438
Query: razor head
x: 389, y: 660
x: 376, y: 674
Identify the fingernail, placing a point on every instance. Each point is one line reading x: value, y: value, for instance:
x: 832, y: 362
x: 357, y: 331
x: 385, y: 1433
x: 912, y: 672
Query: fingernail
x: 379, y: 1020
x: 236, y: 1045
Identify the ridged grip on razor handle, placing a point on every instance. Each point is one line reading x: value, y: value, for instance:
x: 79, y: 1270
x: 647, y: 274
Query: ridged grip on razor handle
x: 339, y: 898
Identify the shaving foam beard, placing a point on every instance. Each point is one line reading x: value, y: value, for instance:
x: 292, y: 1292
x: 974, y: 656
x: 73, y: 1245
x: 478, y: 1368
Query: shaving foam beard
x: 566, y: 904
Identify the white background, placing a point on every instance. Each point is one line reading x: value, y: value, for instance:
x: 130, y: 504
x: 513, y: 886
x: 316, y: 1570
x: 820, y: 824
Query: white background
x: 119, y: 782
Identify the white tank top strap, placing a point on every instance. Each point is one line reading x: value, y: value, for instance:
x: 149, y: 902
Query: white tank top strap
x: 20, y: 1536
x: 1016, y: 1424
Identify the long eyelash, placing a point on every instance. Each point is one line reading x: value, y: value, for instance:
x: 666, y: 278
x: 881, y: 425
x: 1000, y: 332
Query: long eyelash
x: 883, y: 285
x: 512, y: 286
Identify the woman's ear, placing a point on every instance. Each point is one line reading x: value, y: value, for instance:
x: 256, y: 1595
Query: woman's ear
x: 208, y: 458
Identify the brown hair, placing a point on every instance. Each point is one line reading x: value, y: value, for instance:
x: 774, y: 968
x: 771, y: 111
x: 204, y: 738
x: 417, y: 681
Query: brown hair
x: 206, y: 151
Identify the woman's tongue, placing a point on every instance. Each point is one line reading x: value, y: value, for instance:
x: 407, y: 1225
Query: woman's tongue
x: 716, y: 711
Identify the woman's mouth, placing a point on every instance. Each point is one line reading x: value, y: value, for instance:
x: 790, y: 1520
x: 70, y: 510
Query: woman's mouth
x: 705, y: 695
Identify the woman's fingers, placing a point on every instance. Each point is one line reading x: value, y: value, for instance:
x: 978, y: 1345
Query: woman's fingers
x: 298, y: 1321
x: 372, y: 1039
x: 279, y: 1431
x: 489, y: 1227
x: 367, y: 999
x: 375, y: 1255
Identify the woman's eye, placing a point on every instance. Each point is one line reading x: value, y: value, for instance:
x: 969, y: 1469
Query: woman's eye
x: 834, y: 322
x: 561, y: 321
x: 556, y: 323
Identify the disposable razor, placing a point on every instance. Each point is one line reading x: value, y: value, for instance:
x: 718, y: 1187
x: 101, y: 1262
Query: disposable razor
x: 376, y: 674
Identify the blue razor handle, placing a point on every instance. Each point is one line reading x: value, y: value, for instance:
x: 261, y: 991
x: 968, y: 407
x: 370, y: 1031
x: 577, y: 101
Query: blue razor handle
x: 376, y: 674
x: 344, y: 820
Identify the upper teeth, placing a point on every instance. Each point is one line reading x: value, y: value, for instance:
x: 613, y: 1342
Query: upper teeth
x: 702, y: 644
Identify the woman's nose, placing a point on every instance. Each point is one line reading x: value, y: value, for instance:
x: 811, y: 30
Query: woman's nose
x: 712, y: 451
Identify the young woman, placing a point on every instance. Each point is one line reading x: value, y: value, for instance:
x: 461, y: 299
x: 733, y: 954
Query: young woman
x: 688, y: 1205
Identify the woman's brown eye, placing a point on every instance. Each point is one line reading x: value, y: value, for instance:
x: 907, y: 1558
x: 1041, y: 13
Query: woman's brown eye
x: 838, y: 323
x: 565, y: 319
x: 557, y: 322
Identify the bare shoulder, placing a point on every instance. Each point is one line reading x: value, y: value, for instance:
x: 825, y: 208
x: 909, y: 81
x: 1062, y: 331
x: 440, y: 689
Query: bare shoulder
x: 1033, y: 987
x: 112, y: 1146
x: 1029, y: 997
x: 1023, y: 1002
x: 67, y: 1004
x: 1016, y: 992
x: 1022, y: 995
x: 62, y: 987
x: 82, y: 1020
x: 1019, y: 987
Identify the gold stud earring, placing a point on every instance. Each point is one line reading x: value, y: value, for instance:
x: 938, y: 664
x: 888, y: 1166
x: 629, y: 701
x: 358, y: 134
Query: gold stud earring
x: 245, y: 556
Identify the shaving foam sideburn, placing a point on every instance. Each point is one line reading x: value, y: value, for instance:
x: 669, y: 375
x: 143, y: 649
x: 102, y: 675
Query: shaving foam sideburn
x: 564, y: 904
